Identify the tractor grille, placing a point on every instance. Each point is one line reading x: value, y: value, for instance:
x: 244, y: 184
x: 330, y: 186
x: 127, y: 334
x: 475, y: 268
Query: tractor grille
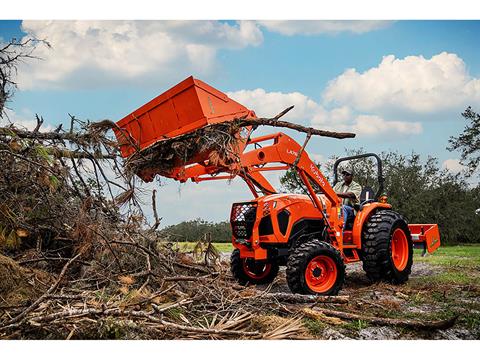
x: 242, y: 219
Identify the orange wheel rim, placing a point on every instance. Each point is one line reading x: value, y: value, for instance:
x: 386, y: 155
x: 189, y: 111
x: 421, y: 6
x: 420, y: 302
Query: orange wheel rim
x: 256, y: 274
x: 399, y: 249
x: 321, y: 273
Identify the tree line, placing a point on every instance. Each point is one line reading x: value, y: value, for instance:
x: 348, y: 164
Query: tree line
x: 195, y: 230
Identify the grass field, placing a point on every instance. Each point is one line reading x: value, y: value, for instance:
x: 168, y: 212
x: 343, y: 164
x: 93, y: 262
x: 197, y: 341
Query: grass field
x: 189, y: 246
x: 459, y: 264
x: 452, y: 256
x: 455, y: 256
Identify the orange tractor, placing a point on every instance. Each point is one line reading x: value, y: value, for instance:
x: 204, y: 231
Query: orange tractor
x: 305, y: 233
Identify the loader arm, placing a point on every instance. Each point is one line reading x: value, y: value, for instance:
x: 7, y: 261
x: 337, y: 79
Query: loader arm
x: 283, y: 150
x: 286, y: 150
x: 198, y: 173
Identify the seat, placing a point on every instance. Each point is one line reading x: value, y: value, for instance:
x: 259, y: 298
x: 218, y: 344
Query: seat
x: 367, y: 194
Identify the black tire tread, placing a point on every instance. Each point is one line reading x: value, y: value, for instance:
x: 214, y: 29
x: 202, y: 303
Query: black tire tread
x: 376, y: 247
x: 299, y: 259
x: 236, y: 267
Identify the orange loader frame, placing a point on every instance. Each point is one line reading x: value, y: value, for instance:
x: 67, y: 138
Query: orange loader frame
x: 303, y: 231
x: 289, y: 153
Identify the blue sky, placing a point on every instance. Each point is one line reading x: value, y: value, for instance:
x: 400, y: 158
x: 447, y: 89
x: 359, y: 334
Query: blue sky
x: 400, y: 85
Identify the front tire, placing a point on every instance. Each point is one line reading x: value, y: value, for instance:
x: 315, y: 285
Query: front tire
x: 246, y: 271
x: 315, y: 267
x: 387, y: 248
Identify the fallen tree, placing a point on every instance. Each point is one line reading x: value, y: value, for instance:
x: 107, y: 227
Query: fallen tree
x: 322, y: 313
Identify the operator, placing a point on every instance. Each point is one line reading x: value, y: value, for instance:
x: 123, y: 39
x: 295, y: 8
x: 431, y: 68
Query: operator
x: 350, y: 192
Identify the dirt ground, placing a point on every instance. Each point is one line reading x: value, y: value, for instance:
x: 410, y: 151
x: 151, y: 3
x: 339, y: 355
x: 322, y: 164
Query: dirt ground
x: 428, y: 295
x: 441, y: 287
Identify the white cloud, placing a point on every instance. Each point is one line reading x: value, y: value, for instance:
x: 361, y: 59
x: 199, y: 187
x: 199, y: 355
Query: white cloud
x: 319, y: 158
x: 413, y: 84
x: 375, y: 125
x: 93, y: 53
x: 268, y: 104
x: 104, y: 53
x: 342, y: 119
x: 453, y: 165
x: 309, y: 112
x: 336, y: 117
x: 25, y: 120
x: 315, y: 27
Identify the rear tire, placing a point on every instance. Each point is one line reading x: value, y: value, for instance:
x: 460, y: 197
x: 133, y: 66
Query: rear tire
x: 387, y: 248
x: 246, y: 271
x: 315, y: 267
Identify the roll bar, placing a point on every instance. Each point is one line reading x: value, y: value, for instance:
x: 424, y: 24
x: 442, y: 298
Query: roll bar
x: 380, y: 177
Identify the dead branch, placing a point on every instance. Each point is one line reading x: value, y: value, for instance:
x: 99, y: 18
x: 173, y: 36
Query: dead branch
x: 76, y: 313
x: 65, y: 153
x: 30, y: 261
x: 189, y: 278
x: 155, y: 214
x: 317, y: 315
x: 11, y: 55
x: 209, y: 331
x: 161, y: 310
x: 52, y: 288
x: 37, y: 164
x: 297, y: 298
x: 416, y: 324
x: 193, y: 267
x: 289, y: 125
x: 25, y: 134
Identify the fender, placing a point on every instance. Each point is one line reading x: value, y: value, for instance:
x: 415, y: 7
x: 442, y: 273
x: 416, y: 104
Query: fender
x: 363, y: 216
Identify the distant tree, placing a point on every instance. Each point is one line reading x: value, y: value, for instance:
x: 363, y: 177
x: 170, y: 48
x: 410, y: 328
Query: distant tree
x: 194, y: 230
x: 468, y: 142
x: 11, y: 55
x: 290, y: 181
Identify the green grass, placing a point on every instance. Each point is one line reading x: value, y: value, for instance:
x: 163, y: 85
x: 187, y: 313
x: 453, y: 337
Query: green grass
x: 449, y: 276
x: 458, y: 255
x: 356, y: 325
x: 188, y: 246
x: 450, y: 256
x: 314, y: 327
x: 465, y: 256
x: 460, y: 263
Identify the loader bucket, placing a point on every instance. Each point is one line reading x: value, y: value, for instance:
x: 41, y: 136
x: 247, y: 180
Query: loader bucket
x: 425, y: 235
x: 188, y: 106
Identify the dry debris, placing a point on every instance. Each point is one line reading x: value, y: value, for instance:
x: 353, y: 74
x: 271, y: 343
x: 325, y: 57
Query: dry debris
x: 81, y: 266
x: 106, y: 274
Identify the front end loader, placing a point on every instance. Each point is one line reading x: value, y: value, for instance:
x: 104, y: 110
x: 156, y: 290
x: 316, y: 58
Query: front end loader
x: 304, y: 232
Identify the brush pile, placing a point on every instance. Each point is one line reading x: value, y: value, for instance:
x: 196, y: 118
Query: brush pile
x: 218, y: 144
x: 79, y: 261
x: 73, y: 265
